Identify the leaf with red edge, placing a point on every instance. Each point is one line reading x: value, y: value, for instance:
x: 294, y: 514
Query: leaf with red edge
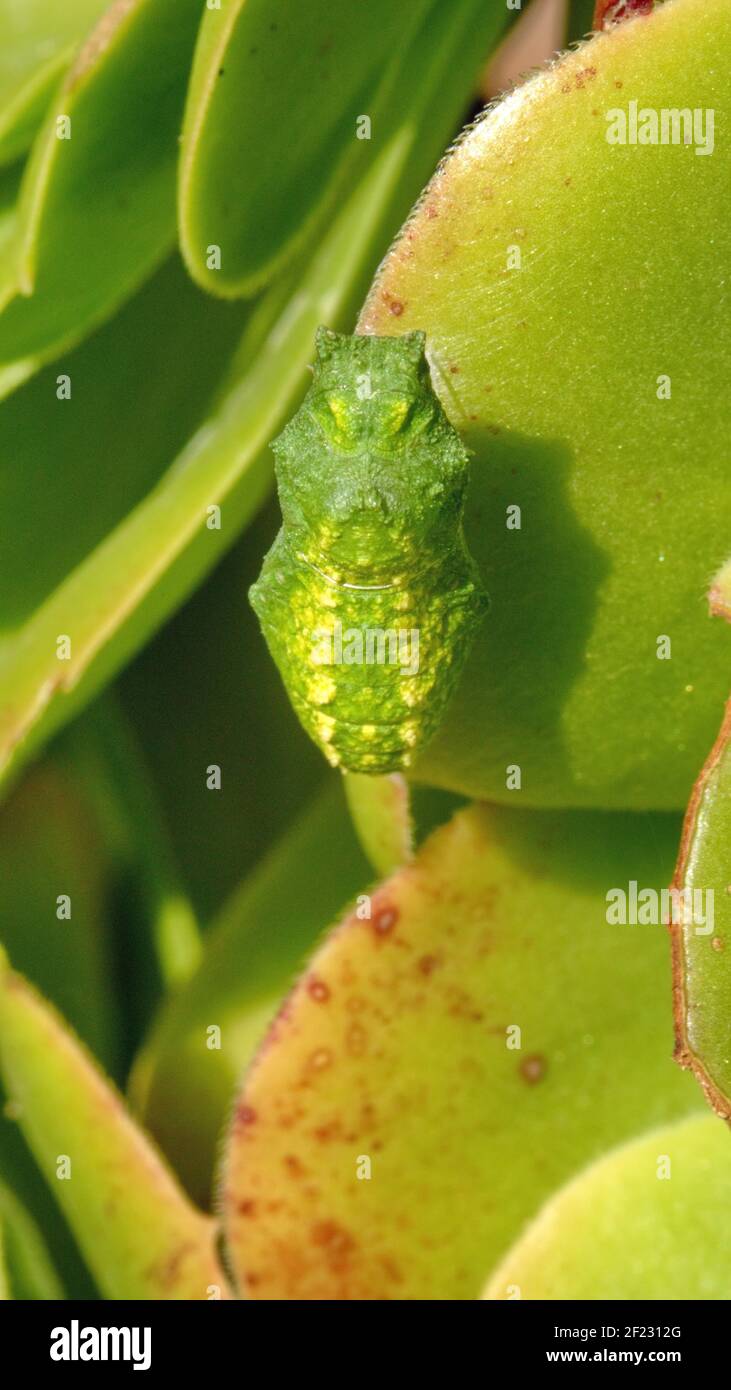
x: 701, y: 912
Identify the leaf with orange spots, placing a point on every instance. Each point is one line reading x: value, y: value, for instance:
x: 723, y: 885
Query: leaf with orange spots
x: 391, y: 1138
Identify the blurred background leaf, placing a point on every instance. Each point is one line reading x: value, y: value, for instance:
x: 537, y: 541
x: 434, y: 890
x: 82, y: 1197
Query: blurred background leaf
x: 649, y: 1221
x: 30, y: 1273
x: 39, y: 40
x: 139, y: 1234
x: 97, y: 206
x: 253, y: 951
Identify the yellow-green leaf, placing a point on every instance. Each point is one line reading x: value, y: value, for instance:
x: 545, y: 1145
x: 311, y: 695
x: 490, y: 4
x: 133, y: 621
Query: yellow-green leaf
x: 139, y: 1233
x: 97, y: 202
x: 382, y: 818
x: 39, y: 38
x: 649, y: 1221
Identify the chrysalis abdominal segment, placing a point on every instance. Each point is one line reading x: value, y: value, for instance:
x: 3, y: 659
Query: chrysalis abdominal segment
x: 369, y: 599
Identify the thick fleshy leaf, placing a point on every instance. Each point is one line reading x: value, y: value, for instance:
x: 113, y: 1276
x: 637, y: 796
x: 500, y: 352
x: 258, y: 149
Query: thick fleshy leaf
x: 574, y: 307
x: 140, y: 1235
x: 649, y: 1221
x: 38, y: 42
x: 444, y: 1064
x: 30, y: 1273
x: 124, y: 583
x: 382, y: 818
x: 701, y: 912
x: 351, y: 74
x: 330, y: 61
x: 252, y: 952
x: 97, y: 209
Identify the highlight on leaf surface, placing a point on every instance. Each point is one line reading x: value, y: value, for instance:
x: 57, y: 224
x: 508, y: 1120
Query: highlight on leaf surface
x: 368, y: 599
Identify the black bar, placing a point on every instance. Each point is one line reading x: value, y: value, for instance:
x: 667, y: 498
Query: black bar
x: 226, y: 1339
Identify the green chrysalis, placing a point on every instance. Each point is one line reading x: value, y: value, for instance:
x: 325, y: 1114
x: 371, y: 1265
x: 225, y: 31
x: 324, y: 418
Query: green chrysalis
x: 369, y: 599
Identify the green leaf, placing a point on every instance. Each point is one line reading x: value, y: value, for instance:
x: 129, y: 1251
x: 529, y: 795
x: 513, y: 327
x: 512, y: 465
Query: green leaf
x: 39, y: 39
x: 103, y: 751
x: 30, y: 1272
x: 650, y: 1221
x: 97, y: 208
x: 581, y: 19
x: 140, y: 1235
x: 252, y: 950
x: 701, y: 912
x: 382, y: 819
x: 552, y: 371
x: 327, y: 64
x: 126, y: 582
x: 51, y: 849
x: 333, y: 67
x: 399, y: 1047
x: 9, y: 187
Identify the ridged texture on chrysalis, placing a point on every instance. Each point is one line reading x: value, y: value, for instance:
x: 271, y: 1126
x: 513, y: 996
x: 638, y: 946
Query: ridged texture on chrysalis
x: 368, y: 599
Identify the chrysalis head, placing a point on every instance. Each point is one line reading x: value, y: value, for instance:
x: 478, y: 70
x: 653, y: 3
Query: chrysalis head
x: 371, y: 474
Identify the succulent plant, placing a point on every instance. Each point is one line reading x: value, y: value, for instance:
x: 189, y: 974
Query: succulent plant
x: 465, y: 1087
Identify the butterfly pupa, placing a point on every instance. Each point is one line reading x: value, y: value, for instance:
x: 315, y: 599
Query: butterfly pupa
x: 369, y: 600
